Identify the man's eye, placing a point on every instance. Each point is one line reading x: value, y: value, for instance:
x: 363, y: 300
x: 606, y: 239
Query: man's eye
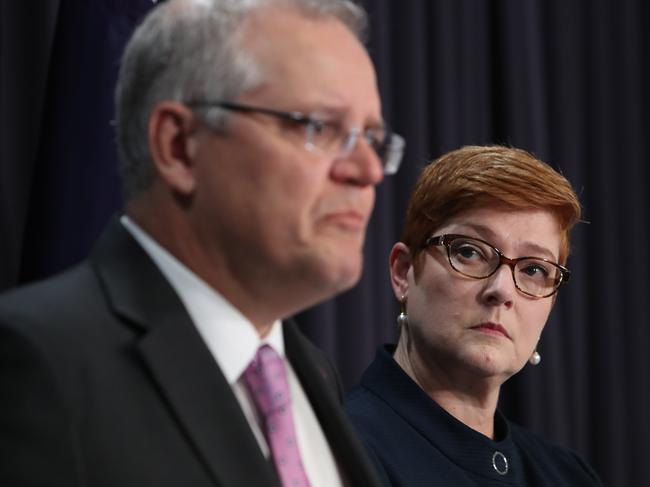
x: 324, y: 134
x: 375, y: 137
x: 318, y: 126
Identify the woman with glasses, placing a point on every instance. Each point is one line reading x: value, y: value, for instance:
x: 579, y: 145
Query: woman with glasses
x: 476, y: 274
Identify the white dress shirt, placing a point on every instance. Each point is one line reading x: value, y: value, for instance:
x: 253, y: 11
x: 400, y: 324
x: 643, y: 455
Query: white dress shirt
x: 233, y: 341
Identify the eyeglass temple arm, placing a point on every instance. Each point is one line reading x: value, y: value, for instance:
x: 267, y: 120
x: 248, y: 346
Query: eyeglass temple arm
x: 236, y: 107
x: 431, y: 241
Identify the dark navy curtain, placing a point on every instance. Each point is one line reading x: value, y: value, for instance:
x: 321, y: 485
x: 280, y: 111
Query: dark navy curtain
x: 565, y: 80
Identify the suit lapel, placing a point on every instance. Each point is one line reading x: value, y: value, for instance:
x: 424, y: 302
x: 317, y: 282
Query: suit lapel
x: 187, y: 375
x: 319, y: 385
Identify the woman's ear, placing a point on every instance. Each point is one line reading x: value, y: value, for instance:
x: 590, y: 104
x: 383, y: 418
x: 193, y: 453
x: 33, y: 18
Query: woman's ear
x: 400, y: 262
x: 171, y: 131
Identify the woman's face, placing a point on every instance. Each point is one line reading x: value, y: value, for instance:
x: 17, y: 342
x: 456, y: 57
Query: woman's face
x: 481, y: 326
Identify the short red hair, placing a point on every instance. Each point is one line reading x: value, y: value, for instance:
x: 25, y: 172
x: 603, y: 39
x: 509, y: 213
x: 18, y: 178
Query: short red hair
x: 477, y: 176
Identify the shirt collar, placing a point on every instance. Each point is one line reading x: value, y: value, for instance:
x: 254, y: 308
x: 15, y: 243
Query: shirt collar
x: 229, y: 335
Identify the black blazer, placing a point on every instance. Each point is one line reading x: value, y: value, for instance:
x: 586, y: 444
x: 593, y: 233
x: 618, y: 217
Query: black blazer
x: 105, y: 381
x: 415, y: 442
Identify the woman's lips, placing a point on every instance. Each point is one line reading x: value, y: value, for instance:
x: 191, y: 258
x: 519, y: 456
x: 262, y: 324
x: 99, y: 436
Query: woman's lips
x: 494, y: 329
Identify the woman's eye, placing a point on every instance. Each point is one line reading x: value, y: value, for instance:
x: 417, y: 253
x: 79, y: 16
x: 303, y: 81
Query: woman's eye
x: 468, y: 252
x: 536, y: 270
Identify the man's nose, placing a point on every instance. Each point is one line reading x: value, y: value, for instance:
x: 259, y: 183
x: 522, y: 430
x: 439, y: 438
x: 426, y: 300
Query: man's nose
x: 361, y: 166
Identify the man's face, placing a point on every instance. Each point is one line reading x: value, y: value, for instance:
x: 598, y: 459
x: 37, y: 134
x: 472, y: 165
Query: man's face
x: 289, y: 222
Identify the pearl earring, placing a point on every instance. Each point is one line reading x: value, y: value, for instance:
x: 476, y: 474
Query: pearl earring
x: 402, y: 318
x: 535, y: 358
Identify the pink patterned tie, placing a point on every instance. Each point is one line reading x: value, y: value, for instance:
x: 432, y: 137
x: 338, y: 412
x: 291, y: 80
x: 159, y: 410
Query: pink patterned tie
x: 266, y: 379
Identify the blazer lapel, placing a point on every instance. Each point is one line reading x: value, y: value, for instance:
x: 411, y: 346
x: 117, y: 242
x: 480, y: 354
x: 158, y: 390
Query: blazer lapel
x: 179, y: 362
x: 318, y: 384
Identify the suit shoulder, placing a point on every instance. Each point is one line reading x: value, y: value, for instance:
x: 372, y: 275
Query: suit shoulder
x: 371, y: 415
x: 360, y: 400
x: 527, y: 438
x: 550, y: 454
x: 65, y: 293
x: 57, y: 312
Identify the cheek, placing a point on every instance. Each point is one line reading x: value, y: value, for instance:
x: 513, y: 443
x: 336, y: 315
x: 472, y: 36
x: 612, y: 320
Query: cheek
x: 437, y: 304
x: 542, y: 313
x: 301, y: 185
x: 289, y: 194
x: 534, y: 320
x: 274, y: 168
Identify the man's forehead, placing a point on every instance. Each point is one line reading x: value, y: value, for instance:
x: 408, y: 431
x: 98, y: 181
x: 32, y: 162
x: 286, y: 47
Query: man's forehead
x: 270, y: 25
x: 319, y: 57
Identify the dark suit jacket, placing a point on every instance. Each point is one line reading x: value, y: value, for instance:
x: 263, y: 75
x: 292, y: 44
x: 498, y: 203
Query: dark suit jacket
x: 414, y: 442
x: 105, y: 381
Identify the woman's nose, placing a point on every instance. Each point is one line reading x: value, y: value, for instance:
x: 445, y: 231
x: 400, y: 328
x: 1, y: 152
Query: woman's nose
x: 500, y: 287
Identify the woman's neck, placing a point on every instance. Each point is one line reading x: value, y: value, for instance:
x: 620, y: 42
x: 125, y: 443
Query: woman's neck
x: 467, y: 397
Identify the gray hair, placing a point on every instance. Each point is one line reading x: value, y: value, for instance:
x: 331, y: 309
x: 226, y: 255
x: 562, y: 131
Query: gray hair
x: 189, y: 50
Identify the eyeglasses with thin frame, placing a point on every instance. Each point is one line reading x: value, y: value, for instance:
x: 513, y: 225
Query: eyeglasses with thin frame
x: 472, y: 257
x: 328, y: 136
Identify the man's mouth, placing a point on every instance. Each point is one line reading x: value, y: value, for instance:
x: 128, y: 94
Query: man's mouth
x: 348, y: 220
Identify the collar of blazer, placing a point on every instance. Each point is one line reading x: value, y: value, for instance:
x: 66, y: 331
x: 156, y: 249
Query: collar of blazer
x: 190, y: 381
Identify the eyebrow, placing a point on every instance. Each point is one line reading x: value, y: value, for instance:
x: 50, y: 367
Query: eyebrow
x: 482, y: 230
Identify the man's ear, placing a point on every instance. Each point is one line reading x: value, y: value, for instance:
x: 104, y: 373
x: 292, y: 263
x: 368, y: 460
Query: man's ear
x: 172, y: 144
x: 400, y: 262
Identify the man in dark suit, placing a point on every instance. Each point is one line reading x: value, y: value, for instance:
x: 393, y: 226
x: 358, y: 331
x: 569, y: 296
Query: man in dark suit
x: 251, y: 139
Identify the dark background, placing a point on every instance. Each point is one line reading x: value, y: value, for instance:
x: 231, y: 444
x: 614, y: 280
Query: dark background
x: 567, y: 80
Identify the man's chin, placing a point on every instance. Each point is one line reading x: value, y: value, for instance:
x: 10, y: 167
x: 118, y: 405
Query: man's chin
x: 345, y: 276
x: 336, y: 267
x: 324, y: 284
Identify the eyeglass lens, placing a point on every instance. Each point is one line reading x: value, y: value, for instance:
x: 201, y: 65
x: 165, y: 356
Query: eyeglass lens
x: 332, y: 139
x: 479, y: 260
